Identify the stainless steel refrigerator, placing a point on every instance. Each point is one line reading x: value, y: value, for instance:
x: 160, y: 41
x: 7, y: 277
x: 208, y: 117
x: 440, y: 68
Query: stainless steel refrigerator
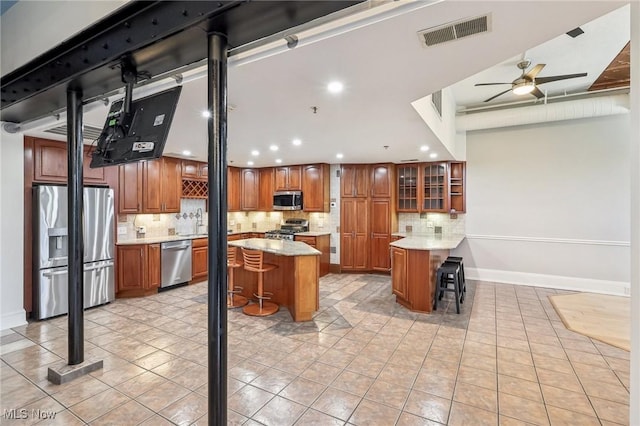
x: 50, y: 249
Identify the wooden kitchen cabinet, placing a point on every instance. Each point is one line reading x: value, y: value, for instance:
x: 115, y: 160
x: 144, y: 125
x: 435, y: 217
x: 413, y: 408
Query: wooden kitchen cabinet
x: 50, y: 164
x: 194, y: 170
x: 381, y: 213
x: 249, y: 189
x: 138, y: 269
x: 288, y: 178
x: 354, y: 180
x: 457, y: 184
x: 354, y: 234
x: 150, y: 186
x: 265, y: 195
x: 408, y: 188
x: 233, y: 189
x: 315, y: 188
x: 199, y: 259
x: 431, y: 187
x: 434, y: 187
x: 382, y: 182
x: 399, y: 272
x: 322, y: 243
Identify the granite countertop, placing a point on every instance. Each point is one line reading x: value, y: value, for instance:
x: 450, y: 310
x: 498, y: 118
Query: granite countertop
x: 167, y: 238
x: 418, y: 241
x: 279, y: 247
x: 313, y: 233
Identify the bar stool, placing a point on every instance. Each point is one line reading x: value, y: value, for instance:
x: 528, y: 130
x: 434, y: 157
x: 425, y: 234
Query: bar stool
x: 457, y: 259
x: 253, y: 262
x: 448, y: 273
x: 234, y: 299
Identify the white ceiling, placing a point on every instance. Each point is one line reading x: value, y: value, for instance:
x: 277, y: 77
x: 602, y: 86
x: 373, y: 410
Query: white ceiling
x: 384, y: 68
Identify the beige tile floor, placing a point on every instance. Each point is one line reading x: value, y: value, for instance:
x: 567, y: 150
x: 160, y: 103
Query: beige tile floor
x: 506, y: 359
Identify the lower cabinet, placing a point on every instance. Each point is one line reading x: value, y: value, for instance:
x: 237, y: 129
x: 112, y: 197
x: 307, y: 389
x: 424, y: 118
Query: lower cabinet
x: 138, y: 269
x: 399, y: 272
x: 200, y: 259
x: 320, y: 242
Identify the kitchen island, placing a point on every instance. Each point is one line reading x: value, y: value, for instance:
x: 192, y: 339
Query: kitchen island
x: 414, y: 261
x: 294, y: 284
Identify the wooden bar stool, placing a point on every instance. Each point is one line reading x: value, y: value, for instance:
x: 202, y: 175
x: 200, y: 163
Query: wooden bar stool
x: 253, y: 262
x: 234, y: 300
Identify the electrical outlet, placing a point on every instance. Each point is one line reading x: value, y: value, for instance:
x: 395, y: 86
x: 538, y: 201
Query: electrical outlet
x: 122, y: 230
x: 142, y: 229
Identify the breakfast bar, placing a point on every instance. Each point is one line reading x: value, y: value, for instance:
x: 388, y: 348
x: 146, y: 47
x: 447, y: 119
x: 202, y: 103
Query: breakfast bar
x: 294, y: 284
x: 414, y: 261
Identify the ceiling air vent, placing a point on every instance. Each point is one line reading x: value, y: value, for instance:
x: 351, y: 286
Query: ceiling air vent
x: 454, y: 30
x: 88, y: 132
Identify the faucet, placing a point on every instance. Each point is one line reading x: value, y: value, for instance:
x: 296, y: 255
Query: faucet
x: 199, y: 224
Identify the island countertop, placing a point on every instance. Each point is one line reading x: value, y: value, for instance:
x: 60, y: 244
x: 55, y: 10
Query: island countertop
x: 278, y: 247
x: 414, y: 241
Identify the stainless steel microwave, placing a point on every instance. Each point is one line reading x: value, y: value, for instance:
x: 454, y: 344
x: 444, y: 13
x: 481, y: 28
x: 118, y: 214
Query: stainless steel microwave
x: 287, y: 200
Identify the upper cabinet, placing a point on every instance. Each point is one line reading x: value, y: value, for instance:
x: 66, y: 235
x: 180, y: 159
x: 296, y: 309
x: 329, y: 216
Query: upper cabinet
x: 249, y: 189
x: 354, y: 180
x: 288, y: 178
x: 382, y: 180
x: 194, y: 170
x: 50, y: 163
x: 315, y: 187
x: 233, y: 189
x: 150, y: 186
x: 265, y: 195
x: 431, y: 187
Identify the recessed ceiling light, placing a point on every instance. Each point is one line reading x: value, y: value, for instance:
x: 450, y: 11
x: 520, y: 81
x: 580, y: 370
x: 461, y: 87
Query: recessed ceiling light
x: 255, y: 152
x: 206, y: 113
x: 335, y: 87
x: 278, y: 160
x: 296, y: 142
x: 185, y: 152
x: 339, y: 155
x: 273, y: 147
x: 433, y: 155
x: 250, y: 163
x: 424, y: 148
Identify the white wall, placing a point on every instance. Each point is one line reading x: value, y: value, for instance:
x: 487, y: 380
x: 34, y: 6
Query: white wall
x: 548, y: 204
x: 443, y: 127
x: 52, y: 21
x: 12, y: 313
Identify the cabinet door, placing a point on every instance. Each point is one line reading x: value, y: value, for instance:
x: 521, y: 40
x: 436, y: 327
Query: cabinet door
x: 434, y: 187
x: 381, y: 180
x: 249, y: 189
x: 131, y: 270
x: 380, y: 233
x: 49, y: 161
x: 457, y: 196
x: 281, y: 178
x: 315, y: 188
x: 199, y: 259
x: 265, y: 196
x: 203, y: 170
x: 171, y: 185
x: 399, y: 272
x: 354, y: 180
x: 154, y: 274
x: 361, y: 234
x: 130, y: 188
x: 295, y: 178
x: 354, y: 248
x: 407, y: 188
x: 189, y: 169
x: 93, y: 176
x: 151, y: 186
x: 233, y: 189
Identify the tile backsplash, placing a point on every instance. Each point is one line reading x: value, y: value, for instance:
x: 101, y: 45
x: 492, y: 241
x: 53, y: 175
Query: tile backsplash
x: 428, y: 223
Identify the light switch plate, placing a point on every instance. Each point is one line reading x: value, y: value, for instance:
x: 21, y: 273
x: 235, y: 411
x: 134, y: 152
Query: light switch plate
x: 122, y: 230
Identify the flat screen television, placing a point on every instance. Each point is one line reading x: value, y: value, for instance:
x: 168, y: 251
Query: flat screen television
x: 139, y: 135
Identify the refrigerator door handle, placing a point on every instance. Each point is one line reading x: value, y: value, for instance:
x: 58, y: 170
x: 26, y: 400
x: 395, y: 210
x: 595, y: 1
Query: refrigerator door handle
x: 101, y: 266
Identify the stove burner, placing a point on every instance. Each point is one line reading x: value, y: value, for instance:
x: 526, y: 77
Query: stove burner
x: 288, y: 229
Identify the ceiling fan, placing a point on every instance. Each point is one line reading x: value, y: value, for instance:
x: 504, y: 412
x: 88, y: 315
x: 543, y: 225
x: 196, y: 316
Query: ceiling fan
x: 528, y: 82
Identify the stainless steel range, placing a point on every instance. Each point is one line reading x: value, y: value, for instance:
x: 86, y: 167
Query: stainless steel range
x: 288, y: 229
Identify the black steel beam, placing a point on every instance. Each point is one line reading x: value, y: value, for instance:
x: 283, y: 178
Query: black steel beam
x: 159, y: 36
x: 217, y: 296
x: 74, y: 226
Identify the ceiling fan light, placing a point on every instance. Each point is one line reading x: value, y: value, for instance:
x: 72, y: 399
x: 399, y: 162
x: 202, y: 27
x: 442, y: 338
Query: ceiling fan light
x: 523, y: 88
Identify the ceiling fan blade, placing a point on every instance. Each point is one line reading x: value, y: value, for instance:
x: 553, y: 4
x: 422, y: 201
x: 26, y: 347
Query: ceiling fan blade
x: 537, y: 93
x: 542, y: 80
x: 534, y: 71
x: 499, y: 94
x: 489, y: 84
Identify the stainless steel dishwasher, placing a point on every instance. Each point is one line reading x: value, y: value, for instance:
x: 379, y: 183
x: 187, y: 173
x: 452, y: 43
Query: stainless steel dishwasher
x: 176, y: 262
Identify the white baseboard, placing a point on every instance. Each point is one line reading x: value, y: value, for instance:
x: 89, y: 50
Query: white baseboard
x: 617, y: 288
x: 13, y: 319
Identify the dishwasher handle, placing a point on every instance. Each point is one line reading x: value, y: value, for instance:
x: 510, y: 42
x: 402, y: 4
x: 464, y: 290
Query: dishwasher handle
x: 176, y: 245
